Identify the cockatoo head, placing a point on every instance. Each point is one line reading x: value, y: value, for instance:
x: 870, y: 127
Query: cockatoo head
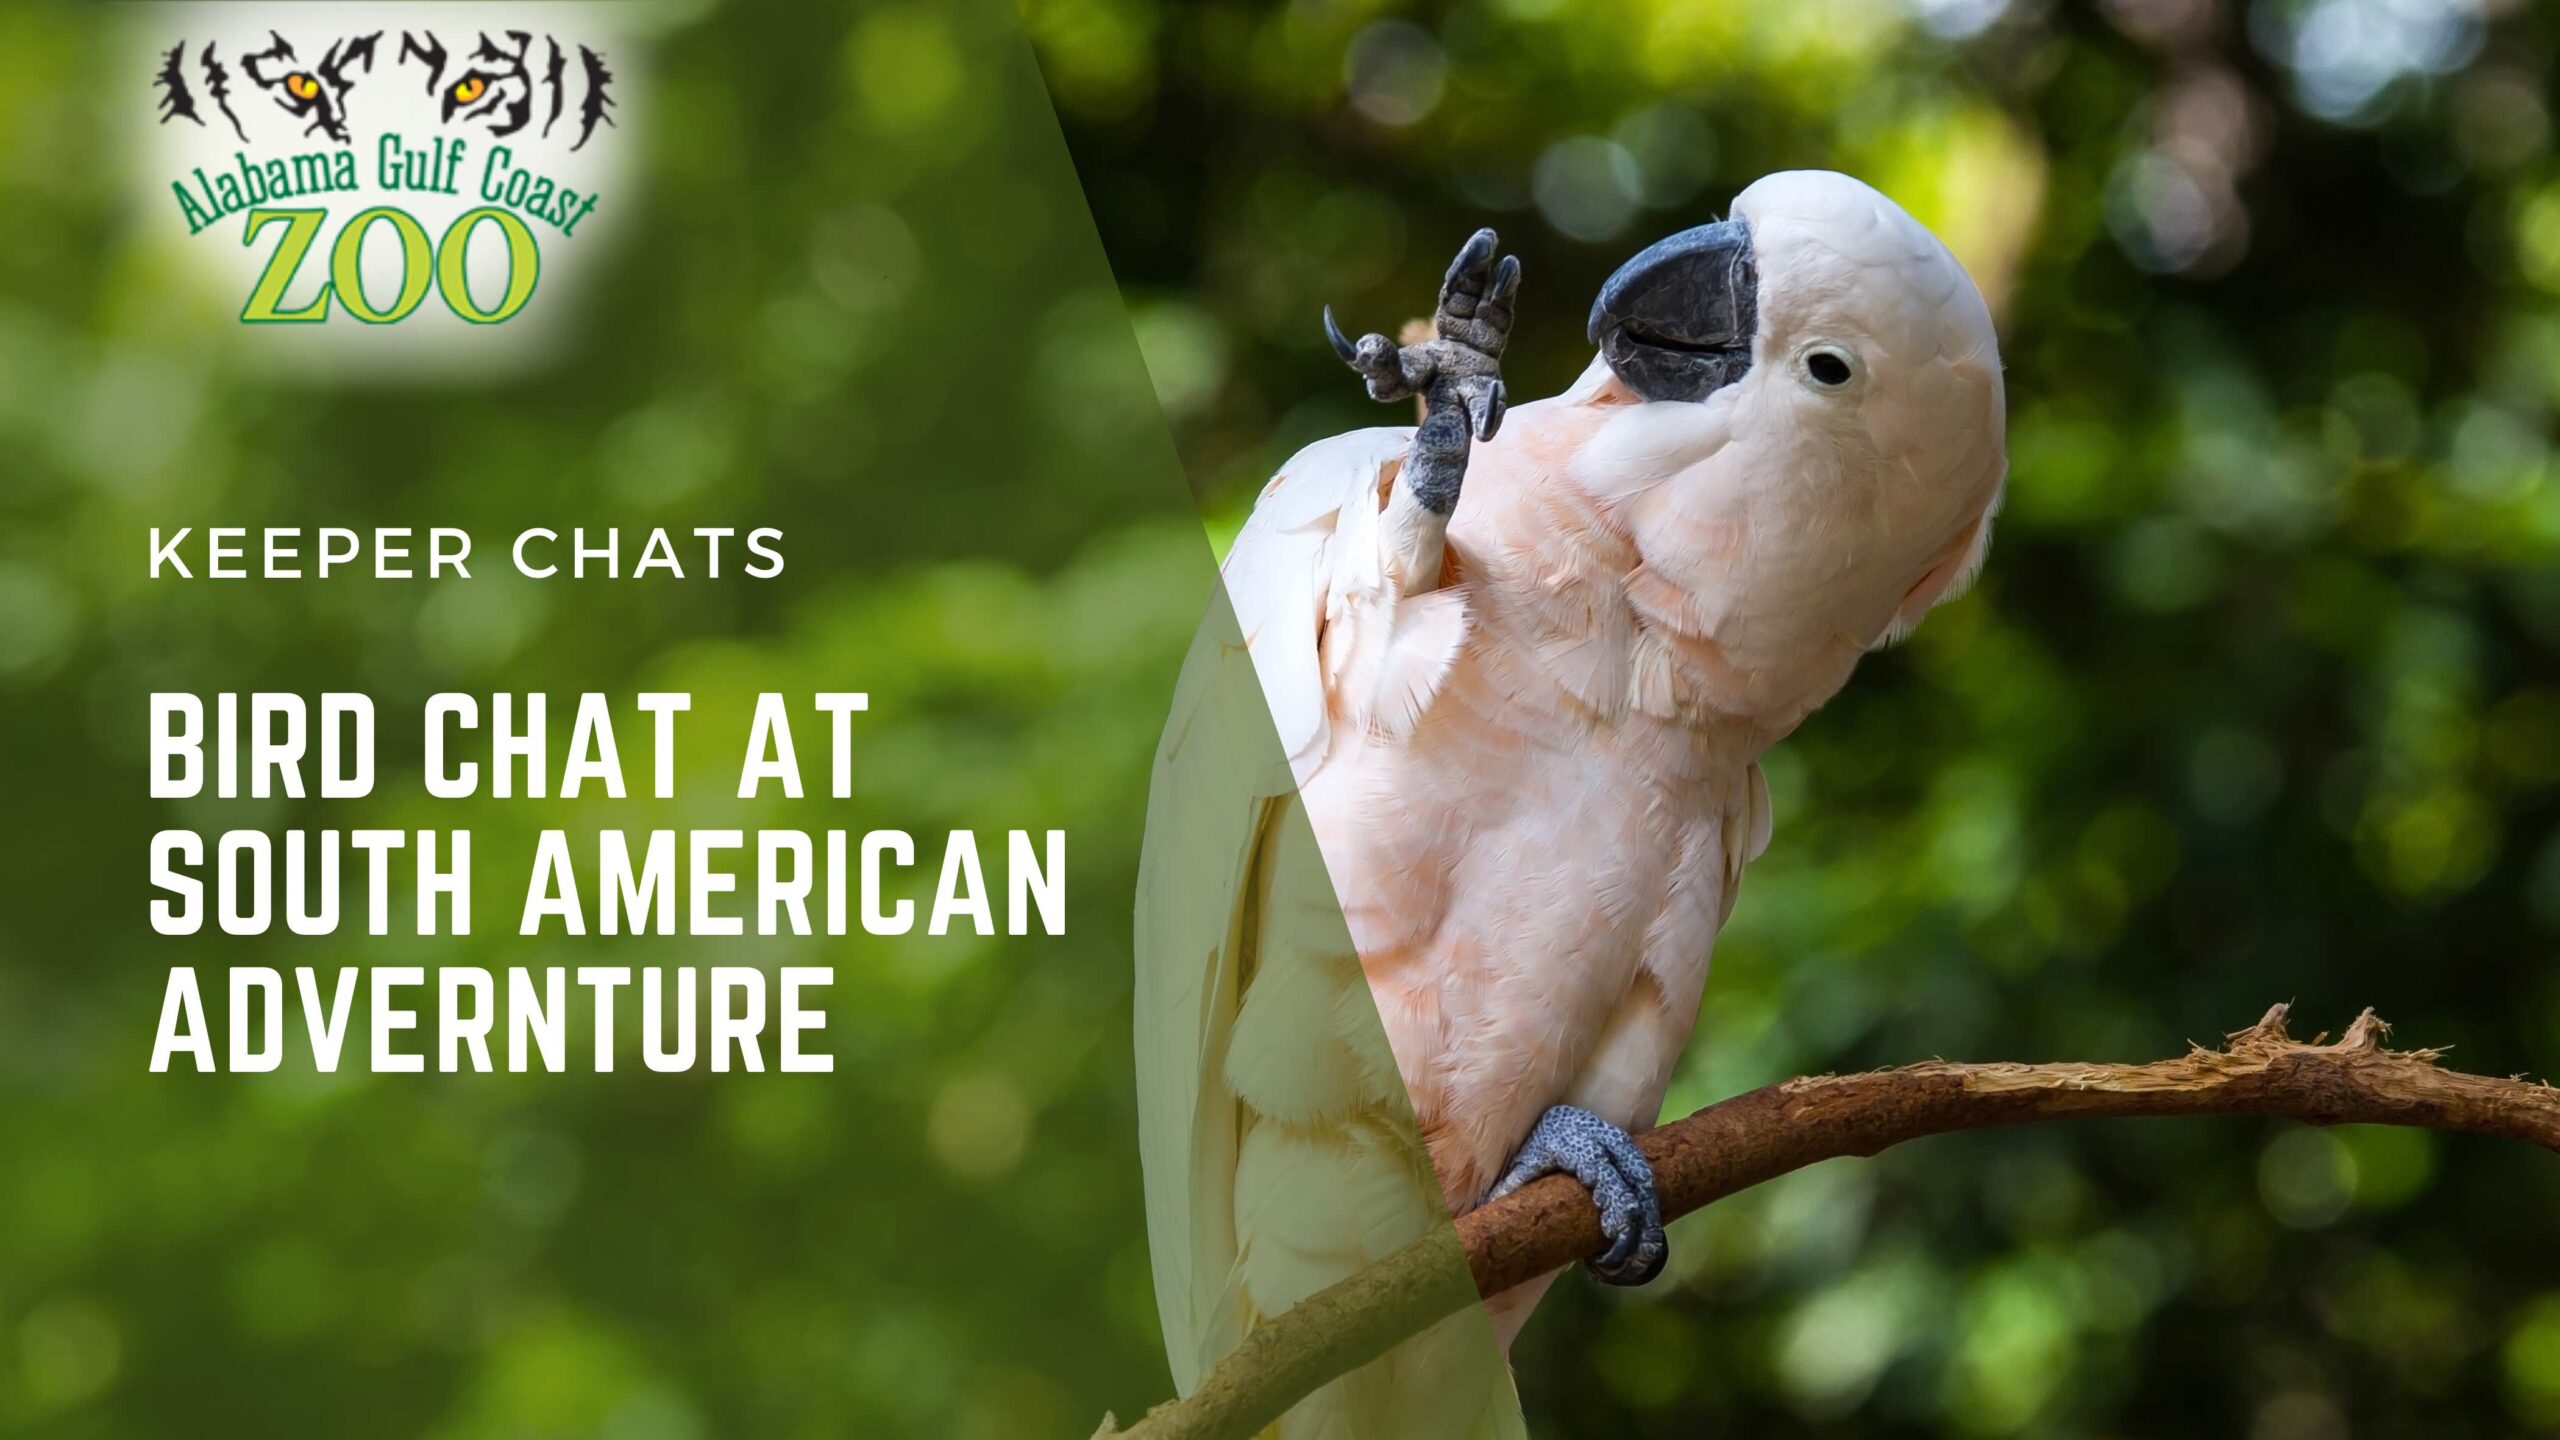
x: 1834, y: 340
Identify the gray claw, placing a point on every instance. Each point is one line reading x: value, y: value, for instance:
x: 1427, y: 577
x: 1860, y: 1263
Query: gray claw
x: 1341, y: 343
x: 1486, y: 402
x: 1475, y: 301
x: 1471, y: 274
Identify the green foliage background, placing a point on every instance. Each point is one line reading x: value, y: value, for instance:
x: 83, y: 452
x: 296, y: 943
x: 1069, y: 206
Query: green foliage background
x: 860, y: 299
x: 2257, y: 700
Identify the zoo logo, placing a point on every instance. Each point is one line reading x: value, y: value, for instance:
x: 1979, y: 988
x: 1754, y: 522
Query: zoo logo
x: 490, y: 91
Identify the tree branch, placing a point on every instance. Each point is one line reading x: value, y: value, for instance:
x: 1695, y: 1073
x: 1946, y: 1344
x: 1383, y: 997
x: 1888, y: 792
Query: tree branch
x: 1735, y: 1144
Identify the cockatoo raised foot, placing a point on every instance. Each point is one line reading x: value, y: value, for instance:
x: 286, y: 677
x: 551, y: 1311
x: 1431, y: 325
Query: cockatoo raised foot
x: 1572, y: 1141
x: 1458, y: 373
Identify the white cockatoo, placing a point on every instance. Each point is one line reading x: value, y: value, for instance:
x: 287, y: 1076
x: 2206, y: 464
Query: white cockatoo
x: 1522, y: 674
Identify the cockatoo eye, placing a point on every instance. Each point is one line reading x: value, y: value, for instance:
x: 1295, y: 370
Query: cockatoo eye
x: 1829, y: 366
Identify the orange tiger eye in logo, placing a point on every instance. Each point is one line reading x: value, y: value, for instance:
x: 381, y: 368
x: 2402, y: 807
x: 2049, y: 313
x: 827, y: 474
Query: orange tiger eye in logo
x: 470, y: 90
x: 302, y: 86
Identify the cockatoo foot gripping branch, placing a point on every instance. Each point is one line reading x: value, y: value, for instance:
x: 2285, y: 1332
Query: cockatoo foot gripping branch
x: 1575, y: 1142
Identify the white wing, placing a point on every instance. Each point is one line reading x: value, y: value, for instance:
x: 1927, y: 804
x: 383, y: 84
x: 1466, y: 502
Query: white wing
x: 1259, y: 1051
x: 1319, y: 578
x: 1311, y: 544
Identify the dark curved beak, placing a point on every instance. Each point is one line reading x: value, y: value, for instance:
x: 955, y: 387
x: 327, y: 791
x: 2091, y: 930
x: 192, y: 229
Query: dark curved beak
x: 1676, y: 322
